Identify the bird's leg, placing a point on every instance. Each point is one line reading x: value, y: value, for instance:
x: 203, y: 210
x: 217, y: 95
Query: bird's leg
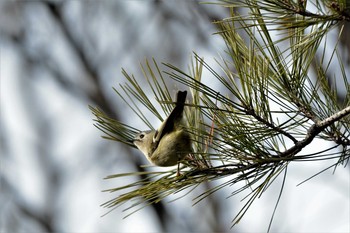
x: 178, y: 169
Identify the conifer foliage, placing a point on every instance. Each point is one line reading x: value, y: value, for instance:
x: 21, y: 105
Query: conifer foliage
x: 280, y: 93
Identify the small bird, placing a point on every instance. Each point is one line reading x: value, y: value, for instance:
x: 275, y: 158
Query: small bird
x: 170, y: 143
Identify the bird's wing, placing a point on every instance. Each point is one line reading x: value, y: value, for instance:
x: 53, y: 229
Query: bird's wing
x: 168, y: 125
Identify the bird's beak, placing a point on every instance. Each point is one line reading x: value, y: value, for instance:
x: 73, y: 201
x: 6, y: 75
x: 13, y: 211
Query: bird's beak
x: 131, y: 140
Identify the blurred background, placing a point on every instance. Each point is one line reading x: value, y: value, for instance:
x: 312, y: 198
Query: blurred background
x: 58, y: 57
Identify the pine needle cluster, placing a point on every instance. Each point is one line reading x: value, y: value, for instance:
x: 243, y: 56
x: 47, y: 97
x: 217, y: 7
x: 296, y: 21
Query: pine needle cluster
x: 273, y: 106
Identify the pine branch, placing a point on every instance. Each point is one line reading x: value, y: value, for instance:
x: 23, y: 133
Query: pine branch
x: 241, y: 138
x: 314, y: 131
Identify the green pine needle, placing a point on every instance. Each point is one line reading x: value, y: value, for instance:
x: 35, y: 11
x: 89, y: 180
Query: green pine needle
x: 272, y: 108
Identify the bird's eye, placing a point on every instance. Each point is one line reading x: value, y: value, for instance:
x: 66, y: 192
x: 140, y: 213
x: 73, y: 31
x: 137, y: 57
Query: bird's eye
x: 142, y: 136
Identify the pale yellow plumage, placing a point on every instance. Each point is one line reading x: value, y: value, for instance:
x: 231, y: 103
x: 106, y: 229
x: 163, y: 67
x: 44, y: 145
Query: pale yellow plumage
x: 169, y: 144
